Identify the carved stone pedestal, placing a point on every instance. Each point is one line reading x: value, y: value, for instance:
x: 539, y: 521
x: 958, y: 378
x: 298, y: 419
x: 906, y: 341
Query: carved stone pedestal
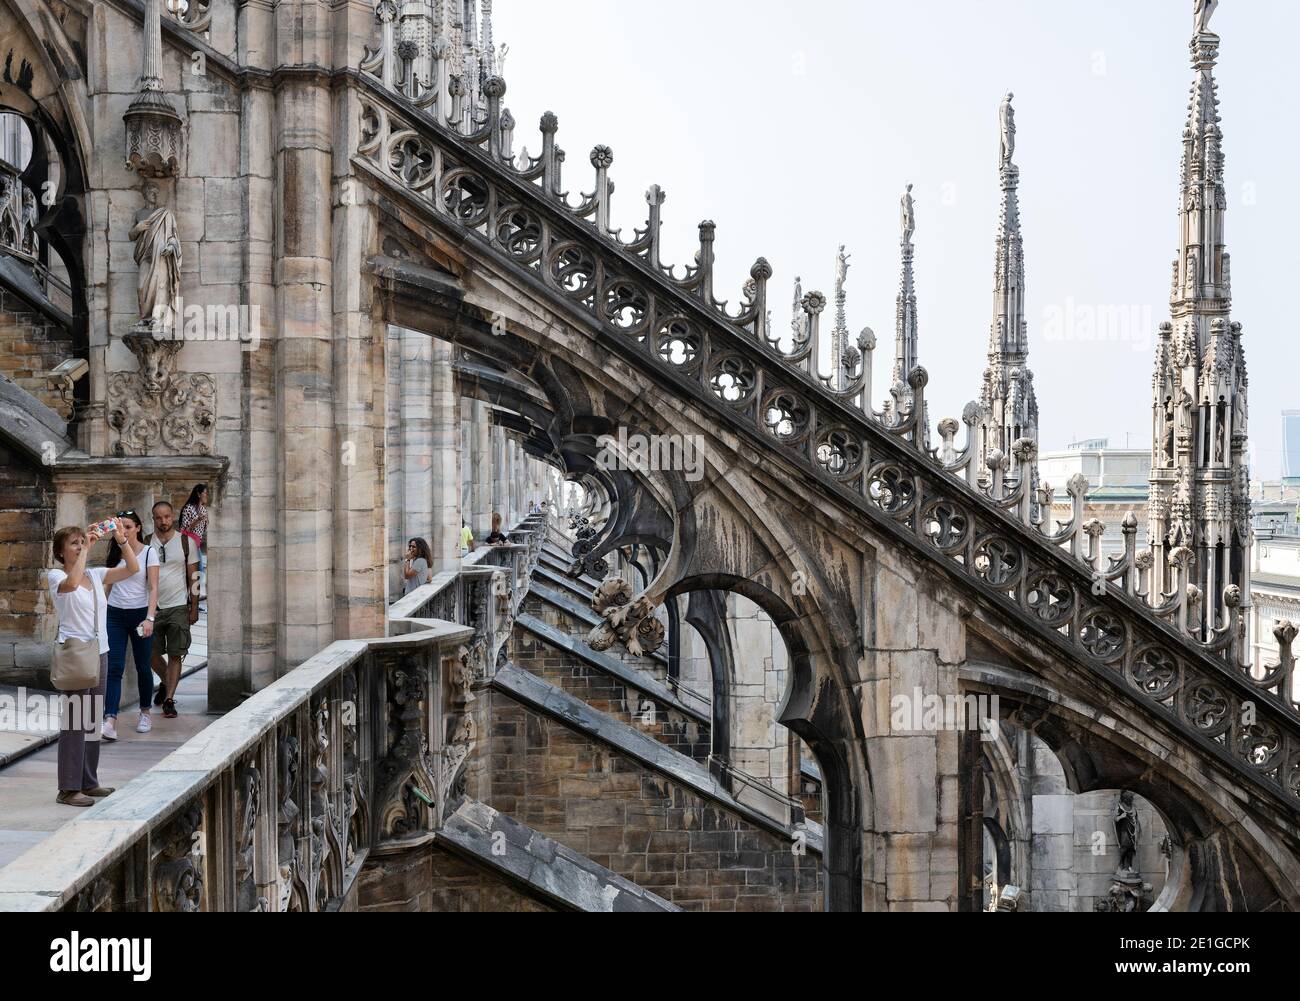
x: 1128, y: 894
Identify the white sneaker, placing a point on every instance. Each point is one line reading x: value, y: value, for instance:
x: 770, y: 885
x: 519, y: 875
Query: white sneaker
x: 145, y: 724
x: 109, y: 731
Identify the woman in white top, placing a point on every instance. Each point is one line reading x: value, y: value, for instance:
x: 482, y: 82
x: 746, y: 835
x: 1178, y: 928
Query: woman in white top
x: 78, y: 596
x: 132, y: 607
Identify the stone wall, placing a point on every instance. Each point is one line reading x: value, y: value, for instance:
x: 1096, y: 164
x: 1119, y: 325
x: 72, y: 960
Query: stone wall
x: 640, y: 825
x: 31, y: 345
x: 26, y: 526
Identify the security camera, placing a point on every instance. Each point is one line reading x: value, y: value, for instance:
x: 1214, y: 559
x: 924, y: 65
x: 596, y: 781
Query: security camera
x: 71, y: 370
x: 65, y: 378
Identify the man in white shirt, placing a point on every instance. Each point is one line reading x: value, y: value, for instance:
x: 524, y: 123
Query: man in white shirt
x: 178, y: 603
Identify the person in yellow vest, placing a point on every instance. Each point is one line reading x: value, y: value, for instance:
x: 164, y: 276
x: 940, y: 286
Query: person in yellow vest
x: 466, y: 540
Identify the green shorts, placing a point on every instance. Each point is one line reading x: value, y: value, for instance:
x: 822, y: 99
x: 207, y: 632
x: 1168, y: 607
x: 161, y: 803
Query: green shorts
x: 171, y: 632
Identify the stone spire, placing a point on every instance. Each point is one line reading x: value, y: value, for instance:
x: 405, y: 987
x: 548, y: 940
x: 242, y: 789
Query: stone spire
x: 487, y: 44
x: 906, y: 356
x: 1008, y: 404
x: 840, y: 335
x: 1200, y: 494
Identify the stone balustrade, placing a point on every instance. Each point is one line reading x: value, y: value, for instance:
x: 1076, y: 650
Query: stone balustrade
x: 279, y: 805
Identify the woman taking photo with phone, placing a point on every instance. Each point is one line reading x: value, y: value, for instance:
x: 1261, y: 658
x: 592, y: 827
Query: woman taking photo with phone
x: 415, y: 568
x: 78, y: 597
x: 132, y: 607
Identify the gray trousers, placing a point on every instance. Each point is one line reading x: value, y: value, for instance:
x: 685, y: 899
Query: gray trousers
x: 79, y: 735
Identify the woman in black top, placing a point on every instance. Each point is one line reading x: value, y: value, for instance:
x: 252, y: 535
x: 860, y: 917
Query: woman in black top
x: 496, y: 538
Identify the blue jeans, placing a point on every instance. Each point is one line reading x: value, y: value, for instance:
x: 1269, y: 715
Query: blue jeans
x: 122, y: 625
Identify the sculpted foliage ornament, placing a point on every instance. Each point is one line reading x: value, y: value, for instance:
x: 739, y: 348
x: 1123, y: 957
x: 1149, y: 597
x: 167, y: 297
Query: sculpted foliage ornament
x: 631, y: 623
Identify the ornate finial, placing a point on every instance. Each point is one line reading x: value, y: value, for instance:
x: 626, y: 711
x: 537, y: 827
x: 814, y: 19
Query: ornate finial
x: 153, y: 127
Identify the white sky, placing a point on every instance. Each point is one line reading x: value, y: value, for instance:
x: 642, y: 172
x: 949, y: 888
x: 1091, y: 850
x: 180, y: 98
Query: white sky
x: 795, y: 125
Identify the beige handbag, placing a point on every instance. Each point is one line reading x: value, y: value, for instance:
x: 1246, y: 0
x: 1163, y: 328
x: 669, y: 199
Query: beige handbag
x: 75, y: 665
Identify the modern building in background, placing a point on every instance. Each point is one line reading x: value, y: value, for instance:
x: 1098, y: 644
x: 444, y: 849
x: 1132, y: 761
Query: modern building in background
x: 1118, y: 480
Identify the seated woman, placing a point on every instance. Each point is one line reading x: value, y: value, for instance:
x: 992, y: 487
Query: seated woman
x: 496, y: 538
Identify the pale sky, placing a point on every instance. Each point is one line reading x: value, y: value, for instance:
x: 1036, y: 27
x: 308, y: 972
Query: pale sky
x: 795, y: 126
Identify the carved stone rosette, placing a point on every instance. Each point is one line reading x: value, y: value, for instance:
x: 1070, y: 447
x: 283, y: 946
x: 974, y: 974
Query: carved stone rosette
x: 157, y: 410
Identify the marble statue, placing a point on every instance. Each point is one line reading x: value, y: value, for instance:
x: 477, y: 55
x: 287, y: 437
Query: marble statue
x: 909, y: 217
x: 841, y: 267
x: 158, y: 256
x: 1127, y: 830
x: 1204, y: 11
x: 1008, y: 114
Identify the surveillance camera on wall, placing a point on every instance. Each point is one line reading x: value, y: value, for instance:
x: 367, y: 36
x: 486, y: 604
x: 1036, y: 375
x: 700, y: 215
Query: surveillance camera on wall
x: 65, y: 379
x: 72, y: 370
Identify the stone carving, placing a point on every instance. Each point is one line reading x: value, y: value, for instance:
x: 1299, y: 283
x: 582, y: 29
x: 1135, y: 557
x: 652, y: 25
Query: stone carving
x: 908, y: 217
x: 248, y: 807
x: 289, y: 824
x: 18, y: 217
x: 354, y: 814
x: 470, y: 663
x: 179, y: 420
x: 1128, y: 828
x: 1126, y: 898
x: 631, y: 623
x: 459, y: 747
x: 324, y: 822
x: 1203, y: 12
x: 158, y: 257
x: 1007, y: 117
x: 178, y: 867
x: 404, y: 794
x: 153, y: 128
x: 583, y: 548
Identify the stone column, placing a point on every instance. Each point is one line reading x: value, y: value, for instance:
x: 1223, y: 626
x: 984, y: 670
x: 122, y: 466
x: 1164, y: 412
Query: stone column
x: 307, y: 453
x: 445, y: 450
x: 499, y: 483
x: 482, y: 507
x: 417, y: 437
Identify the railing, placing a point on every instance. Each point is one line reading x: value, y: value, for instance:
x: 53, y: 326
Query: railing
x: 991, y: 530
x: 360, y: 752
